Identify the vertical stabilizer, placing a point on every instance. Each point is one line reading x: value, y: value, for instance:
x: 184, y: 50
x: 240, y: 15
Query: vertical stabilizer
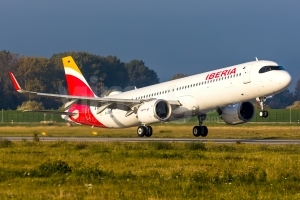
x: 77, y: 85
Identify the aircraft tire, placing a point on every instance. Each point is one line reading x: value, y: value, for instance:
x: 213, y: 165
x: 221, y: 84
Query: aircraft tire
x: 261, y: 114
x: 149, y: 131
x: 197, y: 131
x: 141, y: 131
x: 204, y: 131
x: 265, y: 113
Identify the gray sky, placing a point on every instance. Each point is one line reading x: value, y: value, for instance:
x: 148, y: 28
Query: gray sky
x: 170, y: 36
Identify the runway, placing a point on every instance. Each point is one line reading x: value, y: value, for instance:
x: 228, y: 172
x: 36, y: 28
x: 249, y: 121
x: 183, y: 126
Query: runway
x: 96, y: 139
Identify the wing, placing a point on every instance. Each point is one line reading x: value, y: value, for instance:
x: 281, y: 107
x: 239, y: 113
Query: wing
x: 102, y: 103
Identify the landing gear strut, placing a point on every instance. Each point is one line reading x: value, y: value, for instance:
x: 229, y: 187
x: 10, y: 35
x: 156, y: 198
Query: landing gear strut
x: 263, y: 113
x: 200, y: 130
x: 144, y: 131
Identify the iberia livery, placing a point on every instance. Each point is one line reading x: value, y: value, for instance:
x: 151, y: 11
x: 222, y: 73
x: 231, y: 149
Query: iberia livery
x: 228, y: 91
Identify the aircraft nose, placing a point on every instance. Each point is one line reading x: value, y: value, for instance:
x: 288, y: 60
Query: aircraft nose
x: 285, y: 79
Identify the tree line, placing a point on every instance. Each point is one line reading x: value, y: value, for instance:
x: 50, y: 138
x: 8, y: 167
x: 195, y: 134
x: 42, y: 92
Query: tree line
x: 104, y: 73
x: 47, y: 75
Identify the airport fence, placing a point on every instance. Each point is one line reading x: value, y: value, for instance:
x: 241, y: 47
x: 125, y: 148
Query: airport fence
x: 15, y: 116
x: 275, y: 115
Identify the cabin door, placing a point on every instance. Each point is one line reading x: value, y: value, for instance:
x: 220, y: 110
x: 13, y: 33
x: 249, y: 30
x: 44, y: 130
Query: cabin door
x: 247, y: 71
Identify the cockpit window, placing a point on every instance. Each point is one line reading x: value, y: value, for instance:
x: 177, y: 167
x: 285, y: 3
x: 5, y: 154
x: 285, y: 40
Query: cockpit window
x: 270, y: 68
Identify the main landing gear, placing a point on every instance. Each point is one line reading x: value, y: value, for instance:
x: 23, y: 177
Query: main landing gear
x: 200, y: 130
x: 144, y: 131
x: 263, y: 113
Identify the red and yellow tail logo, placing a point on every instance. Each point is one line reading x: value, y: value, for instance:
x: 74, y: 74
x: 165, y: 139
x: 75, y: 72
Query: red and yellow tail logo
x: 77, y: 85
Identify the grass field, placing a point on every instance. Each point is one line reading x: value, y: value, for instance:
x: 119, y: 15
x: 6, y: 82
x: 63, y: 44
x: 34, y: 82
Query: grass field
x: 169, y: 130
x: 73, y: 170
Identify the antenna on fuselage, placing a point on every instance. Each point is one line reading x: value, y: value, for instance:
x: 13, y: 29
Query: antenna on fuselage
x: 256, y: 59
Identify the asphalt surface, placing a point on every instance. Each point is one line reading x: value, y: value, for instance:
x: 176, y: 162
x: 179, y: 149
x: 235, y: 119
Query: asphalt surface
x: 145, y: 139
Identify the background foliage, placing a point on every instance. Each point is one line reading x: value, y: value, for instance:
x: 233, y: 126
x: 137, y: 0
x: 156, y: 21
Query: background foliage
x: 47, y: 75
x: 103, y: 74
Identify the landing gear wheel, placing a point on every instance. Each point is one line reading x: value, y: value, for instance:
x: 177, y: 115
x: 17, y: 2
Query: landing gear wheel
x: 141, y: 131
x: 264, y: 114
x: 197, y: 131
x: 204, y: 131
x: 261, y: 114
x: 149, y: 131
x: 200, y: 131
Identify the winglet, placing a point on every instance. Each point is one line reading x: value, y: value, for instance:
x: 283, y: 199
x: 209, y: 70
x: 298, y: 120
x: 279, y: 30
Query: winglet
x: 15, y: 82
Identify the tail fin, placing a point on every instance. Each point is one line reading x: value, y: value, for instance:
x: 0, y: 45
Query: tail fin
x: 77, y: 84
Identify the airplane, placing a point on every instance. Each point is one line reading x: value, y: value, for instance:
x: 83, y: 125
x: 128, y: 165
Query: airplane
x: 229, y: 91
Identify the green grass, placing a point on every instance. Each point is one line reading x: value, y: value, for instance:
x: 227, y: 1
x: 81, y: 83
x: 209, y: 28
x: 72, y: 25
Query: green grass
x: 216, y: 130
x: 177, y: 129
x: 77, y: 170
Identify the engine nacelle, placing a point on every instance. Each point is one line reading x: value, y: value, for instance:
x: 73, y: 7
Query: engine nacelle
x: 238, y: 113
x: 154, y: 111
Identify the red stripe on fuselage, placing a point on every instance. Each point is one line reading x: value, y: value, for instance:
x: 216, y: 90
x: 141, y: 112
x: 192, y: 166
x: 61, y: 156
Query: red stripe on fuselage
x: 85, y: 116
x: 78, y: 88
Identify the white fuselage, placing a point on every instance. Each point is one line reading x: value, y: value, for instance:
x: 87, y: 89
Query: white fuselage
x: 201, y: 93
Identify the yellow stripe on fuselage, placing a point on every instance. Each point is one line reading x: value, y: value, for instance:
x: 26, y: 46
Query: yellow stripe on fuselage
x: 70, y: 63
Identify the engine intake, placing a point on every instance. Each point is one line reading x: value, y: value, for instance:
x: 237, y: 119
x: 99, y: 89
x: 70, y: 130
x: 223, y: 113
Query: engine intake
x: 238, y: 113
x: 154, y: 111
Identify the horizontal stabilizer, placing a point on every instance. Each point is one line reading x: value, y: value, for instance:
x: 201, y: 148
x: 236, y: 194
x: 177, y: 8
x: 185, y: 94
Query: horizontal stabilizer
x: 57, y: 112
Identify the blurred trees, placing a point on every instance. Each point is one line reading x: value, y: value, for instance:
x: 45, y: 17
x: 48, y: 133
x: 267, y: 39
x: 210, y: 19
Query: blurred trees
x: 177, y: 76
x: 297, y: 91
x: 281, y: 100
x: 47, y: 75
x: 285, y: 98
x: 8, y: 98
x: 139, y: 75
x: 103, y: 73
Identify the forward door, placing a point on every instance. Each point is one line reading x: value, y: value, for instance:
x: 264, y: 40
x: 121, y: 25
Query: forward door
x: 246, y: 76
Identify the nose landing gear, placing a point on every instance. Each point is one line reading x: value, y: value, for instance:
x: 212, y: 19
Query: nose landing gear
x: 200, y: 130
x: 263, y: 113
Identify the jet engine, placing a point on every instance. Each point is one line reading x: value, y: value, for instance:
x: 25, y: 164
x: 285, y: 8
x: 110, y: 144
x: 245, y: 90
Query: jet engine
x: 154, y: 111
x: 238, y: 113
